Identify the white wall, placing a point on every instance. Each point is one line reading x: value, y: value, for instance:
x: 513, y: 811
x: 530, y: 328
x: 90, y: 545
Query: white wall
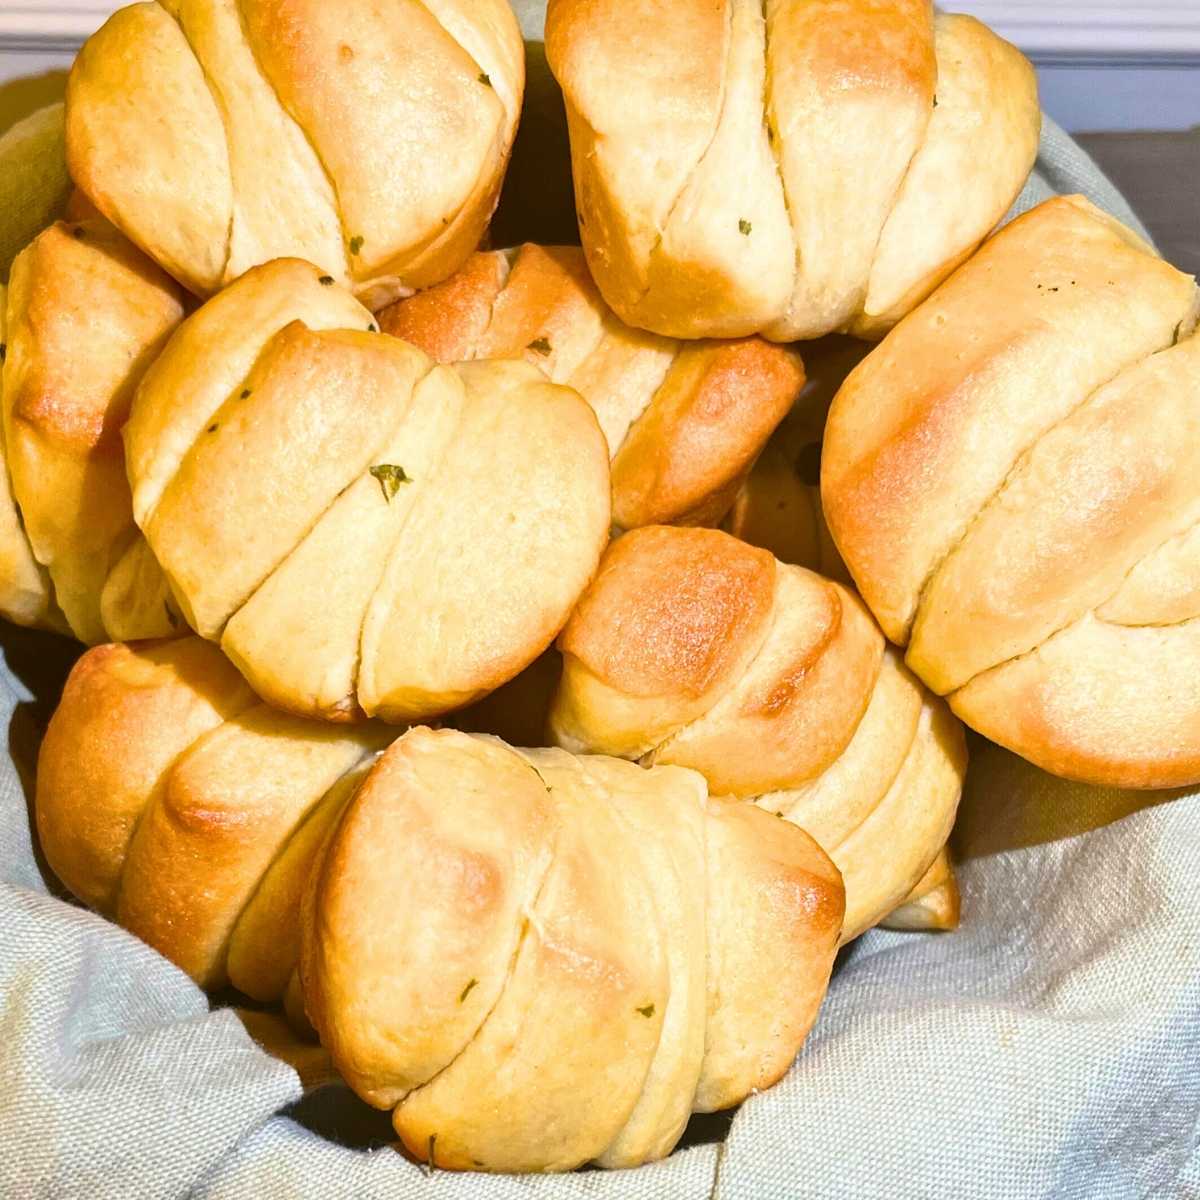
x: 1107, y: 64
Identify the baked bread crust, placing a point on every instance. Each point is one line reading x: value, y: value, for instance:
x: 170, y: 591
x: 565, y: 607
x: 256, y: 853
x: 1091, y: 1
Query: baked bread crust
x: 684, y: 422
x: 694, y: 649
x: 466, y: 949
x: 1010, y: 511
x: 171, y: 799
x: 85, y: 314
x: 788, y: 169
x: 365, y: 532
x: 285, y: 113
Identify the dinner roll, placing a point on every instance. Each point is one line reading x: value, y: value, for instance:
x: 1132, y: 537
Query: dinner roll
x: 1012, y: 479
x: 363, y: 531
x: 372, y: 140
x: 790, y: 169
x: 542, y: 960
x: 172, y: 800
x: 86, y: 313
x: 684, y: 423
x: 694, y: 649
x: 537, y: 960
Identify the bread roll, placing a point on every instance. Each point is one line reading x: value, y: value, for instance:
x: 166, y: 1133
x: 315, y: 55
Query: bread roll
x: 170, y: 799
x: 363, y: 531
x: 684, y: 423
x: 694, y: 649
x: 220, y: 134
x: 86, y: 312
x: 788, y: 168
x: 33, y: 179
x: 1011, y: 478
x: 538, y: 960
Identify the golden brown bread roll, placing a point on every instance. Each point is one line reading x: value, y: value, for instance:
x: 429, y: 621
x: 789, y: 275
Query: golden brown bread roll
x: 86, y: 312
x: 538, y: 960
x: 787, y: 168
x: 174, y: 801
x: 695, y: 649
x: 778, y: 507
x: 684, y: 423
x: 220, y: 134
x: 362, y: 530
x: 554, y: 913
x: 1011, y: 479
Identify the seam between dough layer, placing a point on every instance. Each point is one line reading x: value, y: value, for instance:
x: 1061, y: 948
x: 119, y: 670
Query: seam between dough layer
x: 348, y: 264
x: 773, y: 146
x: 1018, y: 460
x: 301, y: 821
x: 527, y: 920
x: 219, y: 105
x: 605, y: 797
x: 401, y: 524
x: 716, y: 129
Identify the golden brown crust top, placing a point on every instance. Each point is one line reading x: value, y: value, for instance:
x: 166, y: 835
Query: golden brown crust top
x: 281, y: 110
x: 1004, y: 501
x: 448, y: 321
x: 669, y: 611
x: 684, y: 423
x: 684, y: 458
x: 691, y: 647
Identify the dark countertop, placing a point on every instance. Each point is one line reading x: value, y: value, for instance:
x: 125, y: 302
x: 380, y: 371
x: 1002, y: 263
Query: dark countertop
x: 1159, y: 173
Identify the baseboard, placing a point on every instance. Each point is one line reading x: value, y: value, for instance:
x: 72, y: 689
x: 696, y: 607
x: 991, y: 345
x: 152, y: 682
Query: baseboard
x: 1095, y: 32
x: 51, y: 24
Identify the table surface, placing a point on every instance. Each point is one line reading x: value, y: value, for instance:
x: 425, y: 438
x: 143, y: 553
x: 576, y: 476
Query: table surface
x: 1158, y: 173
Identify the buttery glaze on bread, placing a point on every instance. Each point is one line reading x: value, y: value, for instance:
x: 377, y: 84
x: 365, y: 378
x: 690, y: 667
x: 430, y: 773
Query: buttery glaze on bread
x: 684, y: 422
x: 791, y: 169
x: 372, y: 140
x: 86, y: 312
x: 362, y: 530
x: 537, y: 960
x: 1012, y: 479
x: 694, y: 649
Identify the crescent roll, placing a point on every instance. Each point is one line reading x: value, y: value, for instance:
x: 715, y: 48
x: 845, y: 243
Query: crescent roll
x: 791, y: 168
x: 1012, y: 479
x: 695, y: 649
